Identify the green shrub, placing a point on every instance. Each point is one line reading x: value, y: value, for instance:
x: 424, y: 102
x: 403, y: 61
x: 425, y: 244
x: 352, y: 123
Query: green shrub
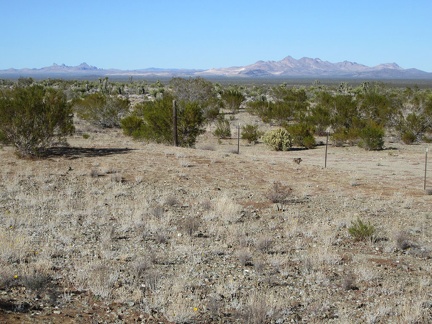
x: 408, y: 137
x: 372, y: 137
x: 223, y: 128
x: 278, y: 139
x: 153, y: 121
x: 232, y: 99
x: 33, y: 118
x: 361, y: 231
x: 131, y: 125
x: 251, y: 133
x: 101, y: 110
x: 302, y: 135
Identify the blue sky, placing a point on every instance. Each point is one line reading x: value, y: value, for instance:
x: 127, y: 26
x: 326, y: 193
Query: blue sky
x: 203, y: 34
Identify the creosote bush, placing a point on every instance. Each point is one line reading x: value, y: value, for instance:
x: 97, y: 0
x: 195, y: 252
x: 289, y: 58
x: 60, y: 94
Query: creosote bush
x: 153, y: 121
x: 223, y: 128
x: 101, y: 110
x: 372, y: 137
x: 251, y: 133
x: 278, y: 139
x: 361, y: 231
x: 34, y: 118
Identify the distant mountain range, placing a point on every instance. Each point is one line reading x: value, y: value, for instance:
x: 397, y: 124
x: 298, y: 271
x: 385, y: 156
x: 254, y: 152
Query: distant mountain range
x: 285, y: 68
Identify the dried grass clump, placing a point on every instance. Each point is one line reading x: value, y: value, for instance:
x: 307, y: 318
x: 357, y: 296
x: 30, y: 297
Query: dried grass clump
x: 226, y: 209
x: 264, y: 244
x: 170, y: 201
x: 278, y: 193
x: 404, y: 241
x: 348, y: 282
x: 117, y: 177
x: 98, y: 278
x: 255, y: 310
x: 245, y: 257
x: 190, y: 224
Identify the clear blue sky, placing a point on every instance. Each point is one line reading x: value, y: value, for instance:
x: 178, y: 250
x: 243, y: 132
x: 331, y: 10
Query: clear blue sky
x: 135, y: 34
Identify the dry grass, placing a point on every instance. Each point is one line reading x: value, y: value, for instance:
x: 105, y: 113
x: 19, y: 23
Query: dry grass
x: 152, y: 242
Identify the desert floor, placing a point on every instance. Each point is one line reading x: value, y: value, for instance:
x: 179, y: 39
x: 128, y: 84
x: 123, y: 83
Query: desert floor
x: 110, y: 230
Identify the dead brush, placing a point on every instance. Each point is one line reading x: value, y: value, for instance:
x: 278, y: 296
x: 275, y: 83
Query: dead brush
x: 348, y: 282
x: 190, y: 224
x: 255, y: 310
x: 278, y: 193
x: 404, y: 241
x: 245, y: 257
x: 264, y: 244
x: 117, y: 177
x: 36, y: 281
x: 170, y: 201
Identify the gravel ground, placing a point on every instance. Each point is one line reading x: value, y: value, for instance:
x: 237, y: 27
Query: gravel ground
x: 110, y: 230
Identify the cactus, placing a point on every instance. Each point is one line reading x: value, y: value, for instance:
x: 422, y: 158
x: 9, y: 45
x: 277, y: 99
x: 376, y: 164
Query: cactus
x: 278, y: 139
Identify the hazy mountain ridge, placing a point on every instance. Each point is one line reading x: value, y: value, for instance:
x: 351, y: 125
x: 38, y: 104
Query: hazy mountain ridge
x: 308, y: 67
x: 288, y: 67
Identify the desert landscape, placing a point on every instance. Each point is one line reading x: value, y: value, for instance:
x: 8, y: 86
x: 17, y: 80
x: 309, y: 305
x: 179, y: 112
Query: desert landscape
x: 111, y: 230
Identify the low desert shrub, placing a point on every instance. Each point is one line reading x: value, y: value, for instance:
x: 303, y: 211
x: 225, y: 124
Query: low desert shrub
x: 255, y: 310
x: 348, y: 282
x: 100, y: 110
x: 190, y: 224
x: 408, y: 137
x: 245, y: 257
x: 361, y: 231
x: 34, y: 118
x: 278, y: 193
x: 131, y: 126
x: 264, y: 244
x: 302, y: 135
x: 372, y: 137
x: 404, y: 241
x: 278, y: 139
x: 251, y: 133
x: 153, y: 121
x: 36, y: 281
x: 223, y: 129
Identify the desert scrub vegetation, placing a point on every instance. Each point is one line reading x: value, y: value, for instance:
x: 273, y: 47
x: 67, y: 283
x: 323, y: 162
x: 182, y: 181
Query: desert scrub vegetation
x: 223, y: 128
x: 183, y: 235
x: 278, y: 139
x: 250, y: 133
x: 34, y: 118
x: 361, y: 230
x: 278, y: 193
x: 232, y: 99
x: 152, y: 121
x: 101, y: 110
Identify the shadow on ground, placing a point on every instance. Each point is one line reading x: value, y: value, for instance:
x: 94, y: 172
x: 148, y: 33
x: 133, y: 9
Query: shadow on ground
x: 80, y: 152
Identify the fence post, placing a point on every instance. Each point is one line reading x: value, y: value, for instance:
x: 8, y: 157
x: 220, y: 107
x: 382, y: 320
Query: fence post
x: 426, y: 160
x: 175, y: 136
x: 325, y: 159
x: 238, y: 139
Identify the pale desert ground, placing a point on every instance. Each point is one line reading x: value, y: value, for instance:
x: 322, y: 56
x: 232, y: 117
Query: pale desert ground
x: 110, y: 230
